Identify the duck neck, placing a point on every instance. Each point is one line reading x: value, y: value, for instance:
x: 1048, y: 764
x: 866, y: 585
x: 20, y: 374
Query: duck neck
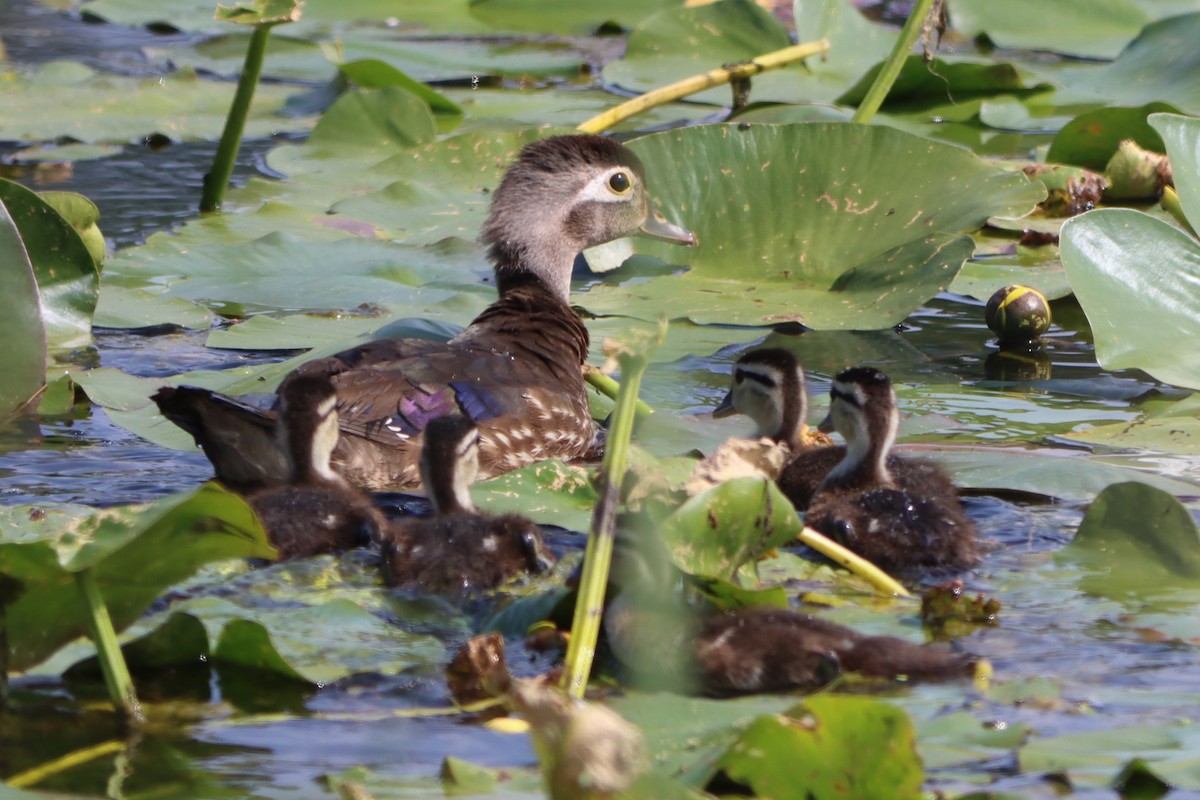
x: 448, y: 484
x: 518, y: 264
x: 791, y: 414
x: 868, y: 443
x: 309, y: 441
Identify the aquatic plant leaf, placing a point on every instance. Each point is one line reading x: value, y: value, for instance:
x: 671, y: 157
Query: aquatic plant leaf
x: 1090, y: 139
x: 1137, y: 540
x: 835, y: 226
x: 382, y: 120
x: 1105, y: 253
x: 829, y: 747
x: 715, y: 532
x: 564, y: 16
x: 1040, y: 269
x: 121, y: 109
x: 134, y: 553
x: 1152, y: 67
x: 959, y: 738
x: 68, y: 280
x: 1171, y: 435
x: 132, y: 308
x: 1090, y: 28
x: 1095, y: 758
x: 924, y: 85
x: 1181, y: 139
x: 548, y: 491
x: 22, y: 334
x: 373, y: 73
x: 260, y: 12
x: 82, y: 215
x: 179, y: 641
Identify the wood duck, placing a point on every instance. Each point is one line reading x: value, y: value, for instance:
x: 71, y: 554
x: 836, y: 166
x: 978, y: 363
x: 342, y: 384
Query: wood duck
x: 863, y: 504
x: 458, y: 551
x: 662, y: 639
x: 515, y: 370
x: 316, y: 511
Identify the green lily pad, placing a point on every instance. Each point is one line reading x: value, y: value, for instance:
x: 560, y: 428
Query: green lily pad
x: 21, y: 329
x: 564, y: 16
x: 829, y: 747
x: 1135, y: 540
x: 180, y: 641
x: 835, y: 226
x: 1090, y: 139
x: 125, y: 308
x: 83, y: 215
x: 260, y: 12
x: 1157, y: 65
x: 375, y: 74
x: 1120, y: 289
x: 1090, y: 28
x: 959, y: 738
x: 1171, y: 435
x: 548, y: 491
x: 374, y: 120
x: 121, y: 109
x: 715, y: 532
x: 1038, y: 269
x: 61, y: 153
x: 929, y: 86
x: 67, y: 276
x: 1097, y: 758
x: 161, y: 544
x: 678, y: 43
x: 1181, y: 138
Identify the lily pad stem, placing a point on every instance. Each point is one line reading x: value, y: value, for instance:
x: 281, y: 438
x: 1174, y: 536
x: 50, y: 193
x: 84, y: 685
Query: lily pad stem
x: 108, y: 650
x: 217, y: 179
x: 32, y: 777
x: 895, y: 61
x: 706, y: 80
x: 609, y: 388
x: 853, y: 562
x: 589, y: 602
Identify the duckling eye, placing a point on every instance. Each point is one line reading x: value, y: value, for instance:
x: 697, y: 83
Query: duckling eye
x: 619, y: 182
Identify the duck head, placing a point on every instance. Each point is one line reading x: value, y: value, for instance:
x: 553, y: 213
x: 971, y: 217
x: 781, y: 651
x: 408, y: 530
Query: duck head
x: 862, y: 408
x: 450, y: 463
x: 768, y: 387
x: 561, y: 196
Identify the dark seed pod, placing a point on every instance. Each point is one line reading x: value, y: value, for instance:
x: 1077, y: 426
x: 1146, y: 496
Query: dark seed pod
x: 1018, y: 314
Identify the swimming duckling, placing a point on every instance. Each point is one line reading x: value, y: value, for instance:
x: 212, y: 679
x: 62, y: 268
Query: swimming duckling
x: 517, y: 368
x: 768, y: 386
x: 863, y: 504
x: 663, y: 639
x: 316, y: 511
x: 458, y: 551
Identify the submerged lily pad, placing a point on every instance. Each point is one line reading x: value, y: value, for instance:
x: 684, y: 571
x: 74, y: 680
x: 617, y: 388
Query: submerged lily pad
x: 836, y: 226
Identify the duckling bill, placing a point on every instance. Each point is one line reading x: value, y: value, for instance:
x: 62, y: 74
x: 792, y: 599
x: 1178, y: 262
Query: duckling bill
x: 459, y: 551
x: 516, y: 370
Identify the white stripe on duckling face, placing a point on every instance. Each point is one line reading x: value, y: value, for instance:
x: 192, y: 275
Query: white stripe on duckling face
x: 325, y: 438
x: 614, y: 185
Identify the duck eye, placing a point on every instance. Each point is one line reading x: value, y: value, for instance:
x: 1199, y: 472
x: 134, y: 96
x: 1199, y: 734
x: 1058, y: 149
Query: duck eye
x: 619, y: 182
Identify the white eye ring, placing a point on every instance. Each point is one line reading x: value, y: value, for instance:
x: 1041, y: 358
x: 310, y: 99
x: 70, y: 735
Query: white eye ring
x: 600, y: 188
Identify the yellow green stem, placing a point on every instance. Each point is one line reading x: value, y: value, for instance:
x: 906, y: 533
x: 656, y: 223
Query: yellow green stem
x: 853, y: 562
x: 108, y: 650
x: 609, y: 387
x: 706, y: 80
x: 32, y: 777
x: 895, y: 62
x: 589, y: 602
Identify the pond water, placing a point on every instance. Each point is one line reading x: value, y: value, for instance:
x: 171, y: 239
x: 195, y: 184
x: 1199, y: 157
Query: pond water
x: 1079, y: 663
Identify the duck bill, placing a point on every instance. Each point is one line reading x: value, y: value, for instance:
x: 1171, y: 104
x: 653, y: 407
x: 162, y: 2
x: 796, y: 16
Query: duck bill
x: 657, y: 227
x: 826, y: 425
x: 725, y: 408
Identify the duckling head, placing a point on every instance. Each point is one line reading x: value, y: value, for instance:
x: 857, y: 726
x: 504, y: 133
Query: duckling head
x: 561, y: 196
x: 768, y: 387
x: 307, y: 427
x: 450, y: 463
x: 862, y: 408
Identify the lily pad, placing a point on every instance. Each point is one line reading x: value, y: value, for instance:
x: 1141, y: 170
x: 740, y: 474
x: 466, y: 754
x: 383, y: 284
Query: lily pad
x: 67, y: 277
x: 1090, y: 139
x: 21, y: 331
x: 836, y: 226
x: 160, y: 544
x: 1181, y: 139
x: 564, y: 16
x: 829, y: 747
x: 926, y: 86
x: 1137, y: 541
x: 1090, y: 28
x: 717, y: 531
x: 1104, y: 252
x: 121, y: 109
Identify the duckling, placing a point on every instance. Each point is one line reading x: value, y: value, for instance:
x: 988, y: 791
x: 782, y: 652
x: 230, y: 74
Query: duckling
x: 516, y: 370
x: 898, y: 525
x: 316, y: 511
x: 459, y: 551
x: 651, y: 630
x: 769, y: 387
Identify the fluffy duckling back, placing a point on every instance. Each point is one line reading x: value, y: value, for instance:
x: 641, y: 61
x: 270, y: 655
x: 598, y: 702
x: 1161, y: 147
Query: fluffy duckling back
x: 458, y: 551
x: 899, y: 524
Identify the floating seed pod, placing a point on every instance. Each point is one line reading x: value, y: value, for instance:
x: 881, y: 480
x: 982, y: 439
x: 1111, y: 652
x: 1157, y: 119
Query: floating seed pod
x: 1018, y: 314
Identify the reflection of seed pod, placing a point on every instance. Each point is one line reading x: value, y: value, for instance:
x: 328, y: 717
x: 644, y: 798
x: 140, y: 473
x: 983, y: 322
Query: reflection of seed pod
x: 1018, y: 365
x: 1018, y: 314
